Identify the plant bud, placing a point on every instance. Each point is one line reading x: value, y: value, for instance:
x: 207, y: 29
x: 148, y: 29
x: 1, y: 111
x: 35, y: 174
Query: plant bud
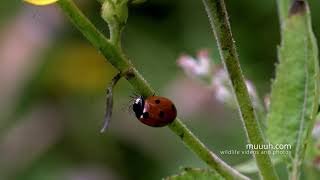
x: 115, y: 12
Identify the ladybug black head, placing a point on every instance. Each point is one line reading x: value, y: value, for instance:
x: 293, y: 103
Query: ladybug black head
x: 138, y: 106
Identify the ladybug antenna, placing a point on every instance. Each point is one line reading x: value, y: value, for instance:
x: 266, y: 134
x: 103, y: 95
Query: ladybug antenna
x: 135, y: 94
x: 132, y: 97
x: 109, y: 102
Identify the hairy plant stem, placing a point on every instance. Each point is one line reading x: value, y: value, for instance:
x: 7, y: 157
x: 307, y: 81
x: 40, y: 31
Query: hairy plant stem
x: 218, y: 18
x: 116, y: 57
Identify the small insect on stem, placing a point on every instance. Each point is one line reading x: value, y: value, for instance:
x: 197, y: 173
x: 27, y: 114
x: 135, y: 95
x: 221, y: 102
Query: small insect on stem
x: 109, y: 102
x: 154, y: 111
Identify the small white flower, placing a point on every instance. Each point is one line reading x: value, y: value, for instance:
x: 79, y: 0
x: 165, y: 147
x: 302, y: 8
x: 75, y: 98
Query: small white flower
x: 204, y: 62
x: 222, y: 94
x: 196, y: 67
x: 220, y: 77
x: 217, y: 76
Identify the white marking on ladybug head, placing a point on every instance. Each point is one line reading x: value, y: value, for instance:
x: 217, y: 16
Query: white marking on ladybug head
x: 137, y: 100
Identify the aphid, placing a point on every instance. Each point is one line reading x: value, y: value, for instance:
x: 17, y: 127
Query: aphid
x: 155, y: 111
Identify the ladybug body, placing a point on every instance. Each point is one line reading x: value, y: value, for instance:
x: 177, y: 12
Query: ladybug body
x: 155, y: 111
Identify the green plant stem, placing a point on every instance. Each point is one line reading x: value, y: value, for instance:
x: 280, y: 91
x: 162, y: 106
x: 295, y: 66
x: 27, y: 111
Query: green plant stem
x: 203, y: 152
x: 218, y: 17
x: 115, y: 35
x: 121, y: 62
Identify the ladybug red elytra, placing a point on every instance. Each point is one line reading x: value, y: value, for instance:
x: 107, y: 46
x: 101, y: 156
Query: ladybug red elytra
x: 155, y: 111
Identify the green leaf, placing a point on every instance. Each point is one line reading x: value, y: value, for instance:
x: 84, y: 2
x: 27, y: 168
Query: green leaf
x: 198, y: 174
x: 294, y: 96
x: 250, y: 166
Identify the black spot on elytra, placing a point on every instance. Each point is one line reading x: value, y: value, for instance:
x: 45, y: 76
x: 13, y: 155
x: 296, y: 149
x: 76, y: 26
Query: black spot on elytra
x: 157, y: 101
x: 145, y: 115
x: 173, y: 108
x: 161, y: 114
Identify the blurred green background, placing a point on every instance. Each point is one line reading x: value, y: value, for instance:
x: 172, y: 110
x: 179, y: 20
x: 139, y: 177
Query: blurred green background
x: 52, y: 95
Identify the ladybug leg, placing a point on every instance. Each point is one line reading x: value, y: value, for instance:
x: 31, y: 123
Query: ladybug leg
x: 109, y: 102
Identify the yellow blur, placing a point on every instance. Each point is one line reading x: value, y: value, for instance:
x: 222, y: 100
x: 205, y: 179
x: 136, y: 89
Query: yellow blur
x: 40, y: 2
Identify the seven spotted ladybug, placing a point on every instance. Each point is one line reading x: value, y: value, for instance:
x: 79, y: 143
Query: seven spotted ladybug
x: 155, y: 111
